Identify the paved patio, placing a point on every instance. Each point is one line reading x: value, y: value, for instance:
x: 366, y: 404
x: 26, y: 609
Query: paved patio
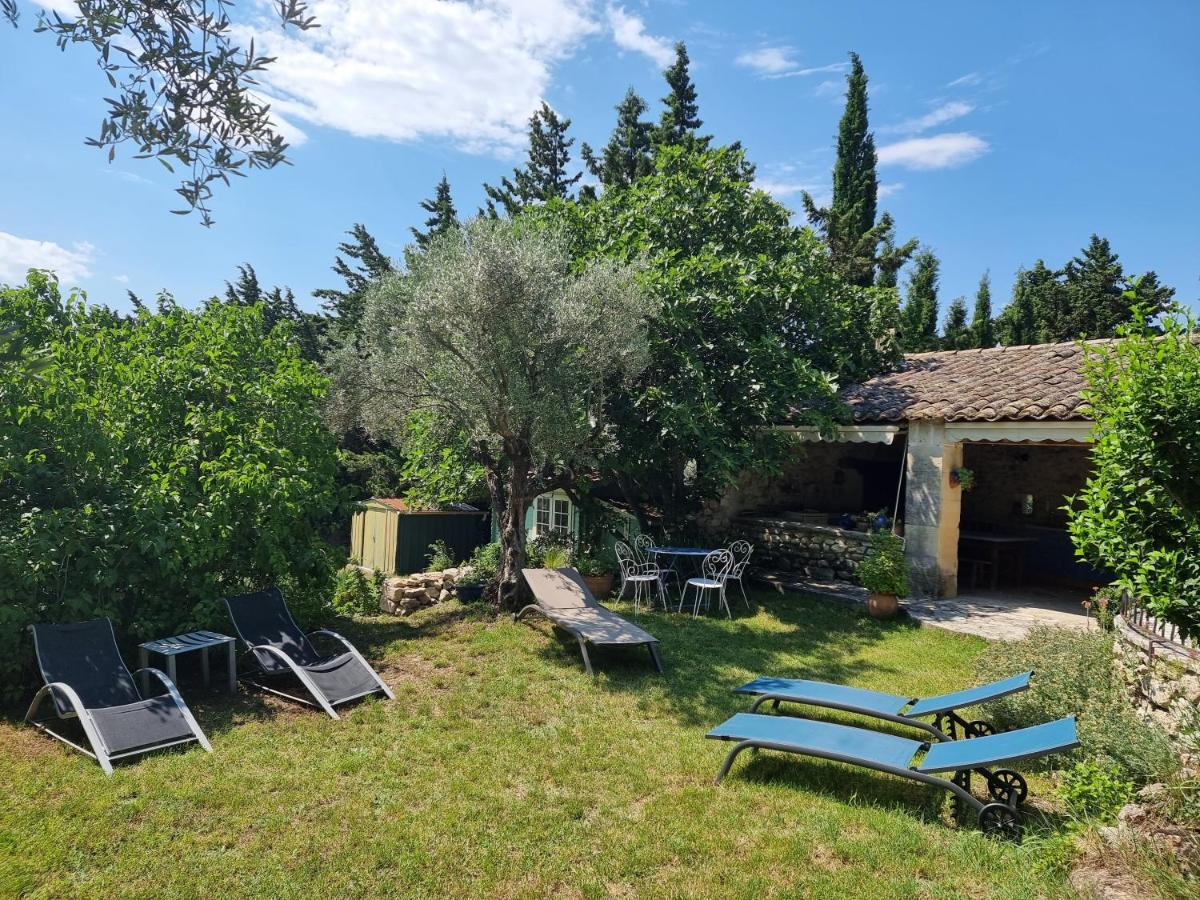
x: 1001, y: 615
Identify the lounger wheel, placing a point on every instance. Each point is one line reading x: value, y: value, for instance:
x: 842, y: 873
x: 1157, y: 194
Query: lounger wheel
x: 999, y: 820
x: 1007, y: 786
x: 980, y: 728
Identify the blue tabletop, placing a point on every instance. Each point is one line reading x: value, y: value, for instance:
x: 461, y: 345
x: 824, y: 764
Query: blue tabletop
x: 680, y: 551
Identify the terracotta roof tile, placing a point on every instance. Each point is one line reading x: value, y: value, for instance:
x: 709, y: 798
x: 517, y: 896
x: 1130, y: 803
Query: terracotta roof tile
x: 1039, y: 381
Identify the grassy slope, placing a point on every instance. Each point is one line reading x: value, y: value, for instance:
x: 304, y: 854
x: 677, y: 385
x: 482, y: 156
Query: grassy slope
x: 502, y: 770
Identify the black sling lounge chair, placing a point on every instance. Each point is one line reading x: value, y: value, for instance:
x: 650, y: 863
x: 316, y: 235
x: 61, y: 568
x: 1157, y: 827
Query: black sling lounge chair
x: 907, y: 758
x: 564, y: 599
x: 947, y: 723
x: 283, y: 653
x: 86, y: 679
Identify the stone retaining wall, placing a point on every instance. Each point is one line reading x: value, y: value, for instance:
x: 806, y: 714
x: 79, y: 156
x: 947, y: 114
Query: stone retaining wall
x: 403, y: 594
x: 815, y: 551
x: 1164, y: 684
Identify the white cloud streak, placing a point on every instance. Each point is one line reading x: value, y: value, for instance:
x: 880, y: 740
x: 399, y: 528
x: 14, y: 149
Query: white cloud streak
x: 939, y: 151
x: 780, y: 62
x: 629, y: 33
x: 890, y: 188
x: 947, y: 112
x: 18, y: 255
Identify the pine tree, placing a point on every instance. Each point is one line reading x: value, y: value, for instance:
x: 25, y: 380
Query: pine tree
x: 1034, y: 295
x: 366, y: 264
x: 442, y: 215
x: 983, y: 330
x: 956, y: 334
x: 1095, y: 287
x: 681, y: 119
x: 848, y: 223
x: 919, y: 317
x: 628, y: 154
x: 544, y: 175
x: 279, y: 305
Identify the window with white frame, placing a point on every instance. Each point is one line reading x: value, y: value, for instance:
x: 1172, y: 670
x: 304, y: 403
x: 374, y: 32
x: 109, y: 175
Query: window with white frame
x: 552, y: 515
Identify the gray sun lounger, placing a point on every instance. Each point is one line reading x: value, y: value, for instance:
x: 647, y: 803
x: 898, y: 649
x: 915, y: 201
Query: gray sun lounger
x: 283, y: 653
x: 911, y: 759
x: 86, y: 679
x: 946, y: 725
x: 562, y: 597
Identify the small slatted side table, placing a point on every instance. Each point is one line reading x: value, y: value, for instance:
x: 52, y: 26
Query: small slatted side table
x: 172, y: 647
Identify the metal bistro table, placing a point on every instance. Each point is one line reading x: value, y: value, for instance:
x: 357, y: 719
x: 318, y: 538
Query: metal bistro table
x: 171, y: 647
x: 695, y: 555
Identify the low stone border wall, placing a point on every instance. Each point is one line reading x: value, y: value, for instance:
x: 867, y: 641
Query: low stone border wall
x: 817, y: 551
x: 403, y: 594
x: 1164, y: 684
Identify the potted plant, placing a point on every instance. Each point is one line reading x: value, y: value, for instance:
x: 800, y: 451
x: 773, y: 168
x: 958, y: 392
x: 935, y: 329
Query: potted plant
x: 884, y: 572
x: 479, y: 571
x: 598, y: 570
x: 962, y: 477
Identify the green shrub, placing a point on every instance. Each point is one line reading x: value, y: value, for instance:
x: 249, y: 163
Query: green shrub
x: 441, y: 557
x: 484, y: 565
x: 356, y: 593
x: 1075, y: 676
x: 885, y: 570
x: 547, y: 552
x: 1093, y: 790
x: 151, y: 467
x: 596, y: 562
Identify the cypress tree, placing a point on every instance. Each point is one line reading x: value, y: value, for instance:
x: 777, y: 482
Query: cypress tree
x: 1099, y: 296
x: 544, y: 175
x: 628, y: 154
x: 279, y: 305
x: 681, y: 119
x: 919, y: 317
x: 956, y: 334
x: 983, y: 331
x: 1021, y: 321
x: 366, y: 263
x: 848, y: 223
x: 442, y: 214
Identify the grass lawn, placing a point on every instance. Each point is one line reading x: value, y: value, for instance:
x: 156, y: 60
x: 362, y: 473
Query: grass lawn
x: 503, y: 770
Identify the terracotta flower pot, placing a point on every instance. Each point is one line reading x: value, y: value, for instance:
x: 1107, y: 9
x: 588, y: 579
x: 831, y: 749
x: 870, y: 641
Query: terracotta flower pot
x: 882, y: 606
x: 600, y: 585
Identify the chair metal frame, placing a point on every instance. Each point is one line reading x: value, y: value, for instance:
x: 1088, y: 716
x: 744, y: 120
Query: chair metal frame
x: 741, y: 550
x: 643, y: 545
x: 640, y: 574
x: 714, y: 572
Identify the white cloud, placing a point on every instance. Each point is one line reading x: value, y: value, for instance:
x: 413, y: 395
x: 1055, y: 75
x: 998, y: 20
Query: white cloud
x: 893, y: 187
x: 17, y: 255
x: 779, y: 62
x: 947, y: 112
x: 629, y: 33
x: 408, y: 69
x: 971, y: 79
x: 941, y: 151
x: 121, y: 279
x: 780, y: 188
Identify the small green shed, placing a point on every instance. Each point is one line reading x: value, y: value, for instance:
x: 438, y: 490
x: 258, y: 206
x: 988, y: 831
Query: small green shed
x: 388, y: 536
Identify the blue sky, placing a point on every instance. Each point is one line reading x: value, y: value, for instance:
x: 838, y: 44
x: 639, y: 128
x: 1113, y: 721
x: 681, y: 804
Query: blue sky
x: 1007, y: 131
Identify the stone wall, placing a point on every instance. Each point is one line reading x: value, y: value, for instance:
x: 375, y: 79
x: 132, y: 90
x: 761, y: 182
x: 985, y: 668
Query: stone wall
x: 403, y: 594
x: 815, y: 551
x: 1164, y: 684
x: 1005, y: 474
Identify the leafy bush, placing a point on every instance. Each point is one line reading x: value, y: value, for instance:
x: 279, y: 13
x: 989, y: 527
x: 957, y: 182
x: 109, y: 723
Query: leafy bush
x: 356, y: 593
x: 1093, y: 790
x: 885, y: 570
x: 594, y: 563
x: 1075, y: 676
x: 547, y: 552
x: 153, y: 466
x: 441, y: 557
x: 484, y: 565
x: 1139, y: 514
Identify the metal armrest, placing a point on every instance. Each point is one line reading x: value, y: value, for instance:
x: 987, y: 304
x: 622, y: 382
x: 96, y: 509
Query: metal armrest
x: 354, y: 652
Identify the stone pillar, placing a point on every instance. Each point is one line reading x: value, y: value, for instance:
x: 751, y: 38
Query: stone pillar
x: 931, y: 510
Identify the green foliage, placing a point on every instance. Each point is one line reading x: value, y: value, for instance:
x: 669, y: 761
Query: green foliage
x: 1075, y: 677
x: 1138, y: 516
x: 442, y: 214
x: 484, y: 565
x: 956, y: 334
x: 439, y: 468
x: 753, y: 318
x: 441, y: 557
x: 681, y: 116
x: 279, y: 310
x: 366, y: 265
x: 595, y: 561
x: 983, y: 329
x: 544, y: 176
x: 548, y: 552
x: 1095, y: 791
x: 355, y: 593
x: 884, y: 570
x: 498, y: 337
x: 919, y: 317
x: 628, y: 155
x: 183, y: 90
x: 157, y: 464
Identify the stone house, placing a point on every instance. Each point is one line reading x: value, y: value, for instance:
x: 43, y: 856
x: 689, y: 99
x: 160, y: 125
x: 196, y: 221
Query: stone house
x: 1009, y: 423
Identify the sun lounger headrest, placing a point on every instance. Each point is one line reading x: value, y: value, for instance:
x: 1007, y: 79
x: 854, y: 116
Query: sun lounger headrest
x: 558, y: 588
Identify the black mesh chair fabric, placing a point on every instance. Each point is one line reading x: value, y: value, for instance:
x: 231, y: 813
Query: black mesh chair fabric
x: 85, y: 656
x: 143, y: 724
x: 263, y: 618
x: 342, y: 678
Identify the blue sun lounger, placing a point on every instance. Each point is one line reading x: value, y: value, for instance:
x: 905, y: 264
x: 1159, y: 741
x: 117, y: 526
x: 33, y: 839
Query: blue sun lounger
x: 946, y: 725
x: 908, y: 758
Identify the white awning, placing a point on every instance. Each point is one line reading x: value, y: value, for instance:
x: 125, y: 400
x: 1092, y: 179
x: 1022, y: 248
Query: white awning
x: 848, y: 434
x: 1075, y: 431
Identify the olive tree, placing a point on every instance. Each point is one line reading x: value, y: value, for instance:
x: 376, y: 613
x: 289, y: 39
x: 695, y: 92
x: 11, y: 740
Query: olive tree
x: 494, y: 338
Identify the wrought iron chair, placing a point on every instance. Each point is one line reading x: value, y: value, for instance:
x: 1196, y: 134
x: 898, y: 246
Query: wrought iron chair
x: 643, y: 544
x: 639, y: 574
x: 714, y: 573
x: 741, y: 551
